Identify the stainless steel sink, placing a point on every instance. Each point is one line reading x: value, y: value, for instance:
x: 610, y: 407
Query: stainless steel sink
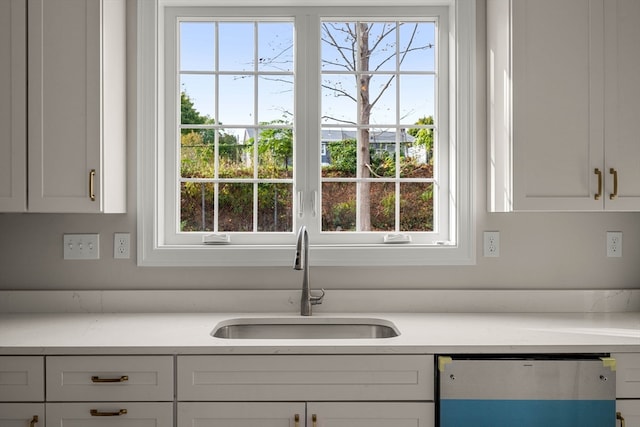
x: 305, y: 328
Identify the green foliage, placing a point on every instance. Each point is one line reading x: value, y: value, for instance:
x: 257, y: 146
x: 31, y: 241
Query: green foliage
x: 343, y: 155
x: 275, y: 145
x: 424, y: 137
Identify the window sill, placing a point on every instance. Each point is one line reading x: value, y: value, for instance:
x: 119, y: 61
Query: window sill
x: 320, y: 255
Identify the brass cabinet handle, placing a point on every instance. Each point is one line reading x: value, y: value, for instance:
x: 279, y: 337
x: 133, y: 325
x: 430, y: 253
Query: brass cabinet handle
x: 621, y: 418
x: 296, y: 419
x: 34, y: 420
x: 614, y: 172
x: 92, y: 185
x: 314, y: 420
x: 599, y: 193
x: 96, y: 413
x: 122, y: 379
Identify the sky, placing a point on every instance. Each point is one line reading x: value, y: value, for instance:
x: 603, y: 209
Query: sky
x: 235, y: 44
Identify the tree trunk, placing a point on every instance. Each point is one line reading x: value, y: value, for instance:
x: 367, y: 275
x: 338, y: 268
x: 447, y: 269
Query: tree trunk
x: 363, y: 157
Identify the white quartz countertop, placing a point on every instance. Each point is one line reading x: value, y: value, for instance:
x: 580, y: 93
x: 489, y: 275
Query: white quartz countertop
x: 190, y: 333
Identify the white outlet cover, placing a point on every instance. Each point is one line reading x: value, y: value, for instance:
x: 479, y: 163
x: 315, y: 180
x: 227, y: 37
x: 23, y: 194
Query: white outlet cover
x: 491, y: 247
x: 614, y: 244
x: 121, y: 245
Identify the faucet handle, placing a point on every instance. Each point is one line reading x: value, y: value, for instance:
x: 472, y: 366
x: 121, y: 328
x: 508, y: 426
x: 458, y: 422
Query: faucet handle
x: 316, y: 300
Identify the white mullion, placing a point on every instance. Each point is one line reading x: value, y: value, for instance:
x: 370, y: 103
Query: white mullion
x: 216, y: 109
x: 397, y: 133
x: 255, y: 122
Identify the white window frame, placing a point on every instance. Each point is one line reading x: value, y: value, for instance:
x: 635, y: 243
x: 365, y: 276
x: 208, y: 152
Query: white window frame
x: 153, y: 246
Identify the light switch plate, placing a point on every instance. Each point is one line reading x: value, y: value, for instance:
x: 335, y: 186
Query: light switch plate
x: 81, y: 246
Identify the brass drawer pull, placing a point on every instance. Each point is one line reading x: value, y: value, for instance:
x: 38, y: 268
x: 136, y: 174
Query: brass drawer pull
x: 92, y: 185
x: 614, y: 172
x: 314, y: 420
x: 599, y: 193
x: 296, y: 419
x: 96, y: 413
x: 621, y: 418
x: 97, y: 379
x: 34, y: 420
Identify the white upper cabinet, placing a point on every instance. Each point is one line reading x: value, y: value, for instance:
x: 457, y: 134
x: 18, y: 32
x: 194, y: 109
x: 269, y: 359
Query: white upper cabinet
x: 563, y: 105
x: 13, y: 106
x: 622, y: 102
x: 76, y: 106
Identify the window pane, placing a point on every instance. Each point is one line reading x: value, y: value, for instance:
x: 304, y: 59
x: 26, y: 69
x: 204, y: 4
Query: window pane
x: 275, y: 153
x: 196, y: 206
x: 338, y: 46
x: 417, y: 46
x: 197, y: 46
x: 339, y: 147
x: 197, y: 93
x: 418, y: 152
x: 381, y: 96
x: 275, y: 98
x: 338, y: 206
x: 339, y: 99
x: 236, y: 99
x: 379, y: 40
x: 275, y: 207
x: 236, y: 46
x: 197, y: 153
x: 382, y: 204
x: 275, y: 46
x: 417, y: 98
x: 416, y: 206
x: 236, y: 207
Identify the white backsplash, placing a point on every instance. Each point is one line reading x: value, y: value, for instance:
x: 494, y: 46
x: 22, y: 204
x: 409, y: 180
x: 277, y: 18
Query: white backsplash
x: 335, y: 301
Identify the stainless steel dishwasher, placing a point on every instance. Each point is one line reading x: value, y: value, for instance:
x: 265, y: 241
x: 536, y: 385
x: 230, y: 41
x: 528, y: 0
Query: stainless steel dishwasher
x: 576, y: 391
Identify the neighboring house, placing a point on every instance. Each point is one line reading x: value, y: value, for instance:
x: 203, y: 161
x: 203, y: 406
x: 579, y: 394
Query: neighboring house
x: 380, y: 142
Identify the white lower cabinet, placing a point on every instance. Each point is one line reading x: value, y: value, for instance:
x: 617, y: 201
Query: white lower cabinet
x: 628, y: 388
x: 311, y: 414
x: 110, y: 414
x: 22, y: 414
x: 306, y: 391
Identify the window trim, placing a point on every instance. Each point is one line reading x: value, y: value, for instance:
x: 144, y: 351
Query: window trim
x: 152, y: 251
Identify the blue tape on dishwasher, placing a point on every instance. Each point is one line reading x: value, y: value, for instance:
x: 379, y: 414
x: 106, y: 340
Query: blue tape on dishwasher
x: 527, y: 413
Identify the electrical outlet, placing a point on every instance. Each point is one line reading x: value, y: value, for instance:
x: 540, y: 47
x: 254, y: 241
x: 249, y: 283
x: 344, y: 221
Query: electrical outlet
x: 614, y: 244
x: 492, y: 244
x: 121, y: 248
x: 81, y: 246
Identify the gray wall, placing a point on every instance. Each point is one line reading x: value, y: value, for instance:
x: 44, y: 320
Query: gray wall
x: 538, y: 250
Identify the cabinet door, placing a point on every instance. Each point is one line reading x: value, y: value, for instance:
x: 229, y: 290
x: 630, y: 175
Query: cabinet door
x: 370, y: 414
x: 622, y: 107
x: 22, y: 415
x: 630, y: 411
x: 557, y: 103
x: 21, y: 379
x: 116, y: 414
x: 70, y: 99
x: 13, y: 105
x: 241, y: 414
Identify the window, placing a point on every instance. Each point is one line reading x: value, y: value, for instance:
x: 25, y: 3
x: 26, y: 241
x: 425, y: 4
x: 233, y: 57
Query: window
x: 343, y: 119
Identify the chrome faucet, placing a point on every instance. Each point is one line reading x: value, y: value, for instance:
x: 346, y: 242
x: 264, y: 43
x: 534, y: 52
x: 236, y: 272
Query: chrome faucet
x: 301, y: 262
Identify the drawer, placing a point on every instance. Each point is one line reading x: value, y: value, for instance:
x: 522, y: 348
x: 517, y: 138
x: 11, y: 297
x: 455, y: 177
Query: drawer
x: 22, y: 414
x: 21, y: 378
x: 630, y: 411
x: 116, y: 414
x: 627, y: 375
x: 308, y: 377
x: 109, y: 378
